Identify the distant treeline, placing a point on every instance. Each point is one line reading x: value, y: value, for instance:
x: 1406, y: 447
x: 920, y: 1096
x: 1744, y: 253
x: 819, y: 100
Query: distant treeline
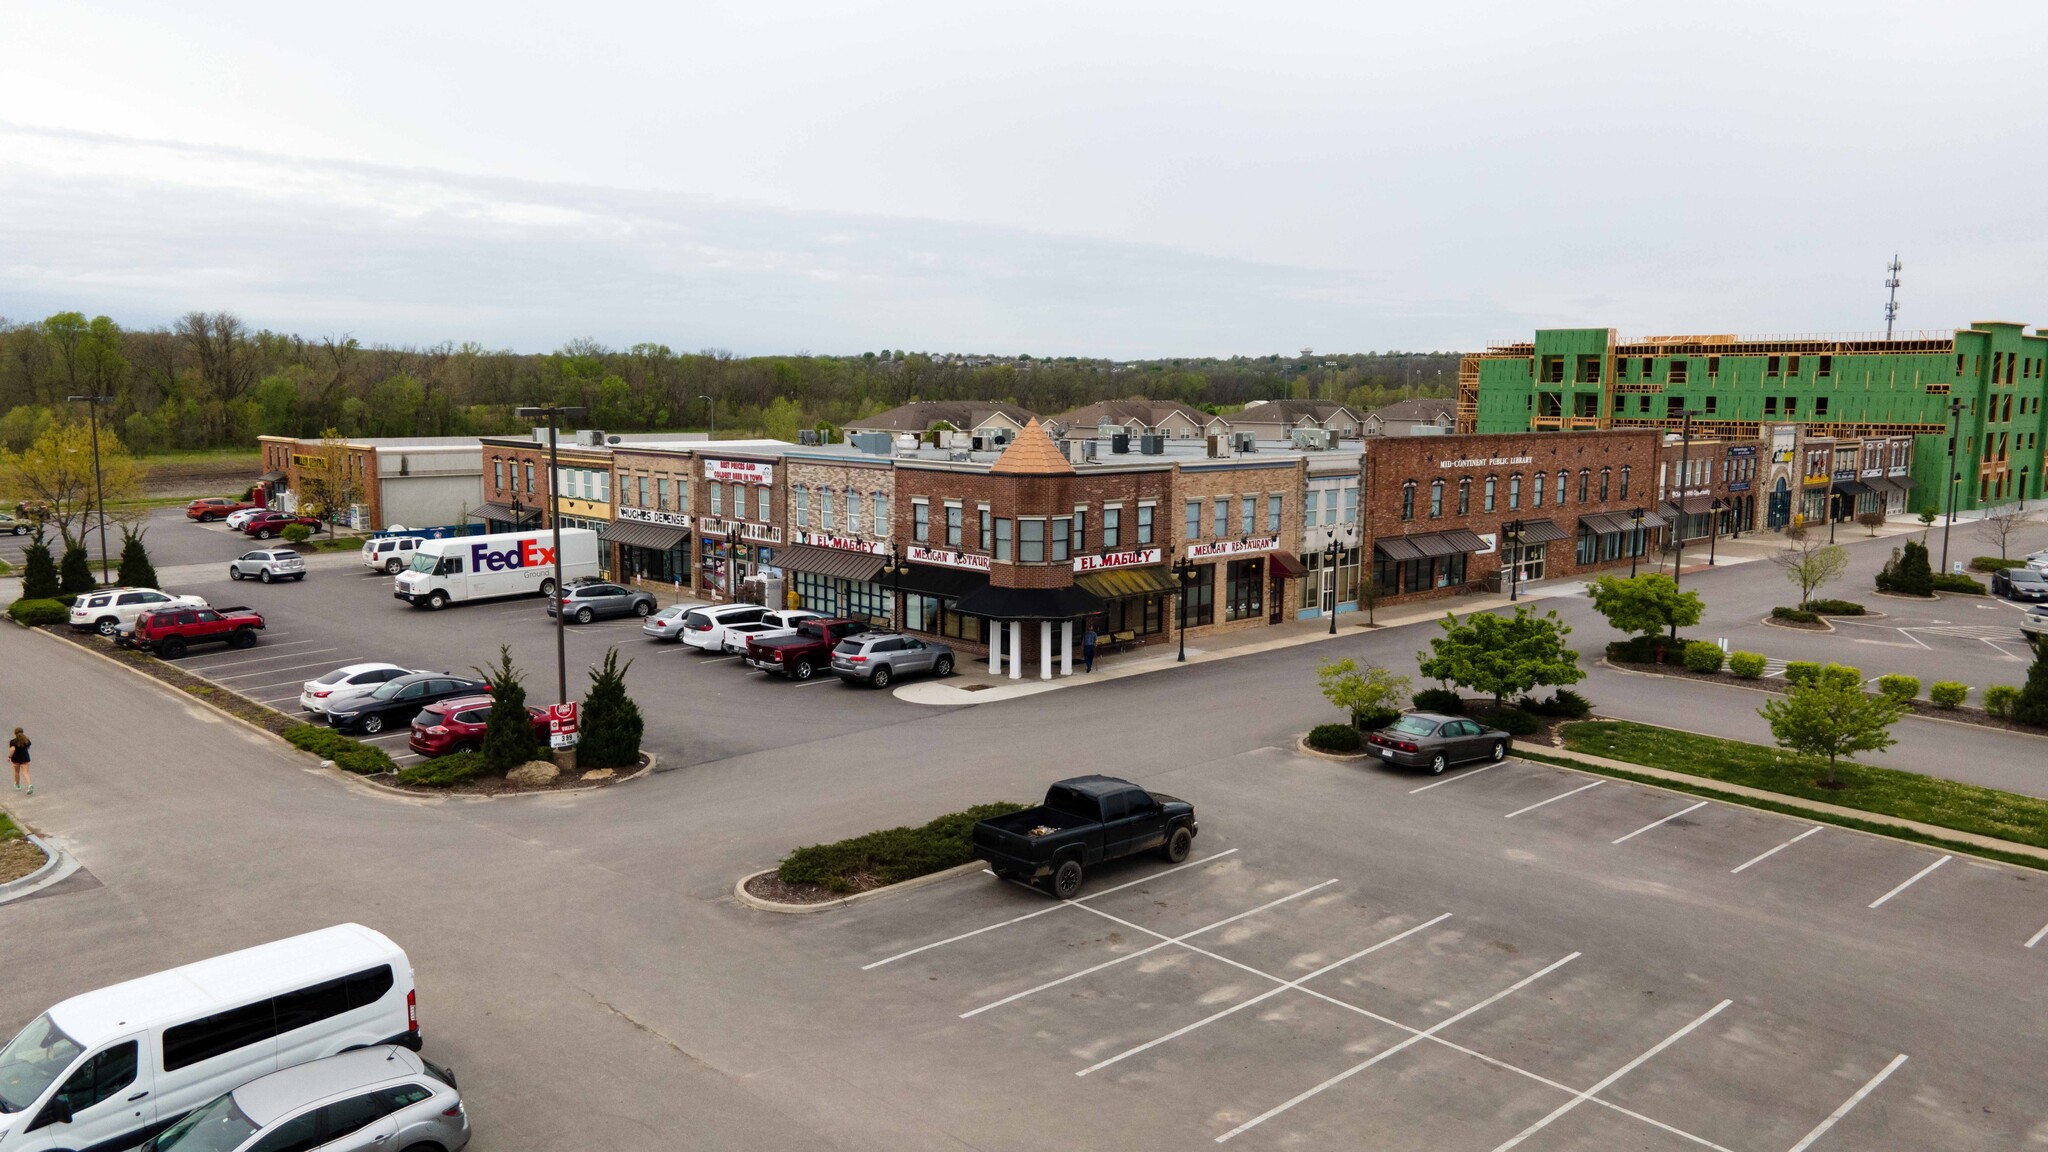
x: 208, y: 381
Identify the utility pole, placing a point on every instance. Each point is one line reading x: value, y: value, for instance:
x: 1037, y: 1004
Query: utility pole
x: 554, y: 412
x: 99, y: 493
x: 1891, y: 305
x: 1678, y: 531
x: 1955, y: 416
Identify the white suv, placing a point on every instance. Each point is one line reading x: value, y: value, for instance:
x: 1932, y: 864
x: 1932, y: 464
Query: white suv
x: 267, y: 564
x: 705, y: 627
x: 112, y: 609
x: 390, y: 554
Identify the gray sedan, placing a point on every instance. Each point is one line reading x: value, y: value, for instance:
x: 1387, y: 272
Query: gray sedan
x: 1435, y: 741
x: 586, y: 602
x: 876, y: 658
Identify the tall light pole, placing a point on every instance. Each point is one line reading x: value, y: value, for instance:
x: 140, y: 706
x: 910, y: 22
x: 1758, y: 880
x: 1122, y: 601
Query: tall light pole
x: 1678, y: 536
x: 1955, y: 418
x: 1331, y: 555
x: 1183, y: 571
x: 99, y: 492
x: 711, y: 411
x: 895, y: 569
x: 553, y: 413
x: 1635, y: 540
x: 1511, y: 551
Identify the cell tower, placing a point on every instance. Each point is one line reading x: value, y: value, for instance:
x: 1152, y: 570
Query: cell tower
x: 1891, y: 304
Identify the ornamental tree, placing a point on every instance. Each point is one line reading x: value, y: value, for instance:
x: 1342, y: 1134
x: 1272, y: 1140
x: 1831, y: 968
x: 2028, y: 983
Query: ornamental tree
x: 1827, y: 717
x: 1810, y: 563
x: 136, y: 570
x: 1502, y: 655
x: 1646, y: 605
x: 611, y: 723
x: 1370, y: 693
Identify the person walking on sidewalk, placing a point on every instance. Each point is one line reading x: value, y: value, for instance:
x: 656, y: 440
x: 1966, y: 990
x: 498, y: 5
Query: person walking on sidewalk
x: 1088, y: 648
x: 17, y: 751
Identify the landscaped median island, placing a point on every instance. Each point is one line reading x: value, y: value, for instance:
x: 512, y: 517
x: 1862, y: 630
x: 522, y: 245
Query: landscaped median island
x: 18, y: 854
x: 1881, y: 791
x: 822, y: 873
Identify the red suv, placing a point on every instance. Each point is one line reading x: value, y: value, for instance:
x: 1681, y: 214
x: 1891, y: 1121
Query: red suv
x: 457, y: 725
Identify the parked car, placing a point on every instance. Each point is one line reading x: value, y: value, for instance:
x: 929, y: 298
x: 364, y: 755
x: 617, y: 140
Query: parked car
x: 207, y: 509
x: 239, y: 520
x: 876, y: 658
x: 737, y: 635
x: 371, y: 1098
x: 783, y: 621
x: 666, y: 624
x: 398, y: 700
x: 267, y: 564
x: 2035, y: 624
x: 272, y: 522
x: 457, y: 725
x: 2020, y: 584
x: 586, y: 601
x: 343, y: 683
x: 1085, y: 821
x: 112, y: 609
x: 390, y: 554
x: 168, y: 632
x: 1433, y: 741
x: 705, y: 627
x: 15, y: 525
x: 805, y: 652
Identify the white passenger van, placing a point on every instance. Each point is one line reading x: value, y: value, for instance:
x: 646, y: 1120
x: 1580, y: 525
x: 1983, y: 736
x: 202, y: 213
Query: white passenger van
x: 112, y: 1068
x: 505, y: 564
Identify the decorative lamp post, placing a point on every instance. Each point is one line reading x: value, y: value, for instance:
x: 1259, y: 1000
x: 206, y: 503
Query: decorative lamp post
x: 99, y: 495
x: 895, y: 569
x: 1184, y: 571
x: 1635, y: 540
x: 554, y: 413
x: 1511, y: 552
x: 1714, y: 527
x: 1331, y: 555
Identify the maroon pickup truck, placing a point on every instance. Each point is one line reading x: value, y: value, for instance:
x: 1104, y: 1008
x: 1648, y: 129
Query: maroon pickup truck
x: 169, y: 631
x: 805, y: 654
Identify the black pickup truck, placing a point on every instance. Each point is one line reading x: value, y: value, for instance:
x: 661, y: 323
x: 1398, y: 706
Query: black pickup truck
x: 1083, y: 822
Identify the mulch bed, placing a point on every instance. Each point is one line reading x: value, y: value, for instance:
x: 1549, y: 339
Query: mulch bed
x: 1781, y: 686
x: 499, y: 786
x: 770, y: 886
x: 18, y: 858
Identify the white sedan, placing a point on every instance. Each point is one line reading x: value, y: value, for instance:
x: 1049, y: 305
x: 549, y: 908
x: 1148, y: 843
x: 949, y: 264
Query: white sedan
x: 2035, y: 623
x: 240, y: 520
x: 346, y: 683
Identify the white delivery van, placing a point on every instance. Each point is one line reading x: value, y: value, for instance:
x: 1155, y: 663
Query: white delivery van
x: 112, y: 1068
x: 480, y: 567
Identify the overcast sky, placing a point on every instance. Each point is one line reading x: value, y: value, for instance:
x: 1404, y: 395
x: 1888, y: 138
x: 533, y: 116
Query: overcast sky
x: 1111, y: 178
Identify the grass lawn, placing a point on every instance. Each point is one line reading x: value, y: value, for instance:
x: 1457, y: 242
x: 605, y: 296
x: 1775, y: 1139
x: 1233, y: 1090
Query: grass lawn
x: 1887, y: 791
x: 9, y: 830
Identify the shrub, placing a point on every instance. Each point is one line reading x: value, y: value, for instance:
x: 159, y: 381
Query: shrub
x: 348, y: 755
x: 40, y: 611
x: 1563, y: 702
x: 1643, y: 649
x: 2032, y: 705
x: 1334, y: 738
x: 444, y: 771
x: 1900, y: 688
x: 1843, y: 675
x: 136, y: 570
x: 1962, y: 584
x: 1374, y: 719
x: 1993, y: 563
x: 295, y: 533
x: 1999, y: 700
x: 1363, y: 692
x: 1748, y: 665
x: 1835, y: 607
x: 1704, y: 656
x: 1908, y: 572
x: 611, y: 722
x: 74, y: 572
x: 1795, y: 615
x: 508, y: 730
x: 1947, y: 693
x: 38, y: 572
x: 1513, y: 721
x: 1439, y: 700
x: 893, y: 854
x: 1798, y: 672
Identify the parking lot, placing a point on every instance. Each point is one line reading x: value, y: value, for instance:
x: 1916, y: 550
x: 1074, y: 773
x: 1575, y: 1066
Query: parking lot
x: 1273, y: 994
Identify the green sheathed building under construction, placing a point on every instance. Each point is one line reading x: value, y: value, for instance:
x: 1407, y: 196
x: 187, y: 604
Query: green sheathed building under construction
x: 1985, y: 382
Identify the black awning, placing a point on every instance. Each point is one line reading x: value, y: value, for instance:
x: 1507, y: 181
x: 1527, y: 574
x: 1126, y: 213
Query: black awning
x: 1851, y: 488
x: 506, y: 513
x: 933, y: 580
x: 1540, y: 532
x: 998, y: 603
x: 835, y: 562
x: 659, y: 537
x: 270, y: 478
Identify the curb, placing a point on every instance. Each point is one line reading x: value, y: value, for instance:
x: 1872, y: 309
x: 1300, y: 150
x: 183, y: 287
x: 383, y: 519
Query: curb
x: 1301, y: 746
x: 1824, y: 629
x: 176, y: 692
x: 740, y: 893
x: 57, y: 865
x: 1930, y: 598
x: 394, y: 790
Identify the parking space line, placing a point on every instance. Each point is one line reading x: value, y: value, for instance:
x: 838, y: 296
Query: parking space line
x: 1552, y: 800
x: 2036, y: 937
x: 1851, y: 1102
x: 1665, y: 820
x: 1143, y: 951
x: 1773, y: 852
x: 1453, y: 779
x: 268, y: 647
x: 1911, y: 881
x: 1266, y: 995
x: 1383, y: 1054
x: 1617, y: 1074
x: 208, y: 672
x: 1053, y: 908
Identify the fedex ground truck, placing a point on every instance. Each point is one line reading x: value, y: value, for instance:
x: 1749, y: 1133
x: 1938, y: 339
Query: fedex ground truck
x: 483, y: 567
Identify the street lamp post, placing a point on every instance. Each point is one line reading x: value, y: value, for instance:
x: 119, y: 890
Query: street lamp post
x: 99, y: 494
x: 1635, y: 540
x: 1713, y: 528
x: 1955, y: 416
x: 1678, y: 536
x: 711, y: 410
x: 554, y: 413
x: 1184, y: 571
x: 1331, y: 555
x: 895, y: 569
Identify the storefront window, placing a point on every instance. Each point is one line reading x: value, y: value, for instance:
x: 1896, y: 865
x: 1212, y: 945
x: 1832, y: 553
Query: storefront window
x: 935, y: 614
x: 1142, y: 615
x: 1201, y: 596
x: 1245, y: 594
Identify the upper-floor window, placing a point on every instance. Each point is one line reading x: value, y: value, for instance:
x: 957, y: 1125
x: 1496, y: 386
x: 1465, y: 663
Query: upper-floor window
x: 1514, y: 491
x: 497, y: 472
x: 803, y: 506
x: 1624, y: 481
x: 1408, y: 500
x: 739, y: 502
x: 1536, y: 493
x: 1585, y: 477
x: 1031, y: 541
x: 1194, y: 525
x: 661, y: 491
x: 1247, y: 514
x: 1145, y: 523
x: 954, y: 516
x: 1492, y: 485
x: 1221, y: 522
x: 717, y: 498
x: 1350, y: 504
x: 1603, y: 482
x: 1563, y: 479
x: 1436, y: 498
x: 988, y: 531
x: 827, y: 519
x: 1465, y: 496
x: 1273, y: 513
x: 882, y: 525
x: 921, y: 521
x: 1002, y: 551
x: 1061, y: 528
x: 1112, y: 526
x: 1081, y: 529
x: 853, y: 511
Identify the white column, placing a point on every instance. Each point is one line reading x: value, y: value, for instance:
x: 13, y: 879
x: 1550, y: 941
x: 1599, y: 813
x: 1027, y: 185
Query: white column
x: 1016, y: 649
x: 995, y: 649
x: 1045, y: 649
x: 1066, y: 647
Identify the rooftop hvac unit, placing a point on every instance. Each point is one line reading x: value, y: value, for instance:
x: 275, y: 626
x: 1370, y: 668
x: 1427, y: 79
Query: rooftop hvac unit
x: 1076, y: 450
x: 589, y: 437
x: 1246, y: 441
x: 1221, y: 447
x: 873, y: 443
x: 1120, y: 443
x: 960, y: 440
x: 807, y: 437
x: 1152, y: 444
x: 1311, y: 439
x: 1090, y: 448
x: 979, y: 444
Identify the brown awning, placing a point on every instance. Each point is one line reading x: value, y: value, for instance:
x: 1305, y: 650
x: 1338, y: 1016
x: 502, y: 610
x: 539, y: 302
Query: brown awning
x: 1287, y: 566
x: 1397, y: 548
x: 1116, y: 583
x: 1609, y: 523
x: 858, y: 566
x: 1691, y: 505
x: 637, y: 534
x: 1541, y: 532
x: 504, y: 512
x: 1422, y: 545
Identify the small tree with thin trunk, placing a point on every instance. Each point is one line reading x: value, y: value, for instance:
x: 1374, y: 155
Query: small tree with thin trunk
x: 1811, y: 562
x: 1646, y: 605
x: 1502, y: 655
x: 1828, y: 718
x: 136, y: 570
x: 1998, y: 525
x: 1872, y: 521
x: 508, y: 729
x: 1369, y: 694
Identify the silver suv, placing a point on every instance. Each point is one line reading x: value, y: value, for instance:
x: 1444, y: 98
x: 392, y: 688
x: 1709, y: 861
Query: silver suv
x: 267, y: 564
x: 586, y: 600
x: 384, y: 1098
x: 876, y: 658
